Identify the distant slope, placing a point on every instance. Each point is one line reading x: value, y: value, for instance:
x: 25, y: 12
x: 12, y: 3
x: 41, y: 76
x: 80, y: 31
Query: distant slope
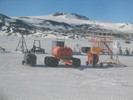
x: 82, y: 20
x: 10, y: 26
x: 60, y: 24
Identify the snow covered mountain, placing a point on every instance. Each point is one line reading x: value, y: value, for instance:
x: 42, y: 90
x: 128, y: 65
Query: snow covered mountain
x: 60, y: 24
x: 10, y: 26
x: 71, y: 16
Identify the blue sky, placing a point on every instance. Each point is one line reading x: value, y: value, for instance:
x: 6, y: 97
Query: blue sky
x: 103, y: 10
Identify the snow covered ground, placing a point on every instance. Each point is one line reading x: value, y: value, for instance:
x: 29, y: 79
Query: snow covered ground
x: 23, y: 82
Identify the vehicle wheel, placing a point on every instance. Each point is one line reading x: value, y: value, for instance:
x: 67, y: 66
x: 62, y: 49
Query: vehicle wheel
x: 46, y: 61
x: 32, y: 63
x: 51, y: 61
x: 76, y: 62
x: 23, y: 62
x: 54, y: 62
x: 33, y: 59
x: 101, y: 64
x: 87, y: 63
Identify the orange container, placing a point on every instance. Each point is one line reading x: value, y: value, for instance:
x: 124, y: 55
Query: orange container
x: 62, y: 52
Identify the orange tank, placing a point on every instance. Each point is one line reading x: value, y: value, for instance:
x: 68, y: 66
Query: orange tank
x: 62, y: 52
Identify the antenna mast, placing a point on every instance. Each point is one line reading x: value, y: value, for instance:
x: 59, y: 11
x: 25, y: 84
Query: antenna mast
x: 22, y: 44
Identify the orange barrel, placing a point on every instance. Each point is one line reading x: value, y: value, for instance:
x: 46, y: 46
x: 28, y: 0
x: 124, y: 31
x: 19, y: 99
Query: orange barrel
x: 62, y: 52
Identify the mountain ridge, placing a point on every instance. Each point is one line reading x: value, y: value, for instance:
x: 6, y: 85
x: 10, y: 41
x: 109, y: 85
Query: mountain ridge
x: 60, y: 24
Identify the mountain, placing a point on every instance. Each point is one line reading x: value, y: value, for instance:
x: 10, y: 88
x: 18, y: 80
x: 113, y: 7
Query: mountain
x: 60, y: 24
x: 71, y: 16
x: 10, y: 26
x: 4, y: 17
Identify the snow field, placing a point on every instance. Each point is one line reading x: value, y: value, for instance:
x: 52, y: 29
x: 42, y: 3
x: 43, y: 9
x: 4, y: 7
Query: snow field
x: 23, y: 82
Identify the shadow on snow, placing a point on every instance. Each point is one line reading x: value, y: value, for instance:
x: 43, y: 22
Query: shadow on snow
x: 82, y: 67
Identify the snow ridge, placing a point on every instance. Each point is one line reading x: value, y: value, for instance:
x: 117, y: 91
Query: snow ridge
x: 61, y: 24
